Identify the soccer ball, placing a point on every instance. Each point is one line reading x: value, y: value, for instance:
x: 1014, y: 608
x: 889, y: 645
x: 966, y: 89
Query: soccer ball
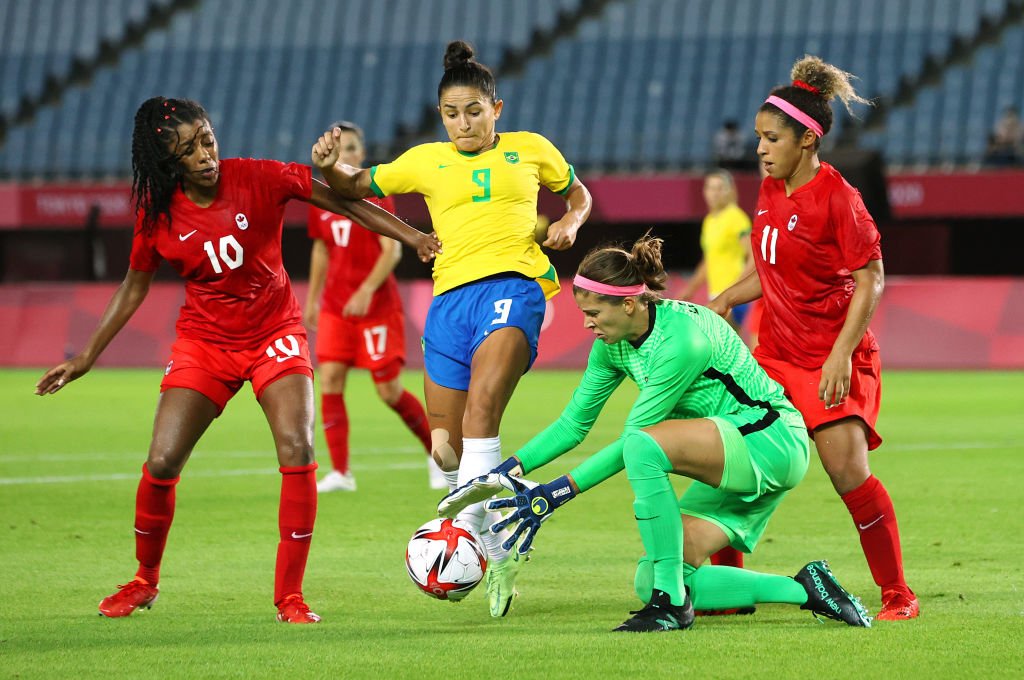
x: 445, y: 559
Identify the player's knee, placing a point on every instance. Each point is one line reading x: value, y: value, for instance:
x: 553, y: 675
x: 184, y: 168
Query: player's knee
x: 441, y: 450
x: 164, y: 463
x: 294, y: 448
x: 389, y: 392
x: 332, y: 378
x: 846, y: 474
x: 640, y: 454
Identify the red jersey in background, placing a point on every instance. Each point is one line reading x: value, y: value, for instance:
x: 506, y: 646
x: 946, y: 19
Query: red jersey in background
x: 352, y: 252
x: 805, y: 246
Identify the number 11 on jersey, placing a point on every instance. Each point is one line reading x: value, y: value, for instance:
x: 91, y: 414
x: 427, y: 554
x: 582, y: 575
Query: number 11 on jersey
x: 765, y: 255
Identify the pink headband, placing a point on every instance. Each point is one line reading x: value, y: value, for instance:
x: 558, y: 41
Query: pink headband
x: 606, y: 289
x: 796, y: 114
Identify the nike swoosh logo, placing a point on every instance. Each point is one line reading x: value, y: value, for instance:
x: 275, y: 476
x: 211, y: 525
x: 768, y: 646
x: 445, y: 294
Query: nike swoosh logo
x: 182, y: 237
x: 144, y: 533
x: 295, y: 535
x: 761, y: 212
x: 442, y: 167
x: 862, y: 527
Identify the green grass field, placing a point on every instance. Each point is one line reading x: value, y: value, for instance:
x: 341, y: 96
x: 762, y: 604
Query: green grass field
x: 953, y: 461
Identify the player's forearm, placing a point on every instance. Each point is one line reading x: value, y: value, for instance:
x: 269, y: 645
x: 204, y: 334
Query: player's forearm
x: 552, y: 442
x: 602, y: 465
x: 390, y: 255
x: 122, y: 306
x: 870, y: 283
x: 380, y: 221
x: 345, y: 179
x: 743, y: 291
x: 579, y: 203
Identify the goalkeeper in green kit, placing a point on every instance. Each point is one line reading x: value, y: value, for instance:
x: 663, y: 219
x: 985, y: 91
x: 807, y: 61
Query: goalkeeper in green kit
x: 705, y: 410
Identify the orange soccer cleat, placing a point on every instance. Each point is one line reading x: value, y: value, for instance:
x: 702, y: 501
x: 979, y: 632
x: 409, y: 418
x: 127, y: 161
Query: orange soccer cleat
x: 129, y: 597
x: 897, y: 606
x: 294, y: 610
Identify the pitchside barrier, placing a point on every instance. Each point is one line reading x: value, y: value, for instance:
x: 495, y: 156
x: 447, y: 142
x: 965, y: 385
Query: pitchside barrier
x: 922, y: 323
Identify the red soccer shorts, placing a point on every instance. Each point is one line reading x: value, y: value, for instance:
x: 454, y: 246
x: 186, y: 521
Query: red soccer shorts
x: 801, y: 386
x: 219, y: 373
x: 374, y: 343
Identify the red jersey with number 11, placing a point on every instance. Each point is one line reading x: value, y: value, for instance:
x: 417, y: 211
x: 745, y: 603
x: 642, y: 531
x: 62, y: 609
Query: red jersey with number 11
x: 236, y: 290
x: 352, y: 252
x: 805, y: 247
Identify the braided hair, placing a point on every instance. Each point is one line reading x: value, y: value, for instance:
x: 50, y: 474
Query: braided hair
x: 461, y: 69
x: 156, y: 171
x: 815, y: 84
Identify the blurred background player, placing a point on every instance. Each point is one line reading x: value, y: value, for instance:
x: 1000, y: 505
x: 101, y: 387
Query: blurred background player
x: 490, y: 281
x: 724, y: 242
x: 354, y: 306
x: 819, y: 271
x: 705, y: 410
x: 218, y: 223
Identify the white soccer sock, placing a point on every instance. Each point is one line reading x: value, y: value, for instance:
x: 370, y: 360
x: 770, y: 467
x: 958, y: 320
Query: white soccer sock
x: 480, y: 456
x: 452, y: 477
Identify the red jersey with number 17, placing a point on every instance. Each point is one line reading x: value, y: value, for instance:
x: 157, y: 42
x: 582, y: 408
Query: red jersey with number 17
x: 352, y: 252
x: 237, y: 292
x: 805, y: 247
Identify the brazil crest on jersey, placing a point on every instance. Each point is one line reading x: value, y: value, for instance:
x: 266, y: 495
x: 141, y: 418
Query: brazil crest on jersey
x: 483, y: 206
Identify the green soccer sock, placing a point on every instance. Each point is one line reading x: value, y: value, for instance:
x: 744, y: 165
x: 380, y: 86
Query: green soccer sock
x: 657, y: 512
x: 714, y: 587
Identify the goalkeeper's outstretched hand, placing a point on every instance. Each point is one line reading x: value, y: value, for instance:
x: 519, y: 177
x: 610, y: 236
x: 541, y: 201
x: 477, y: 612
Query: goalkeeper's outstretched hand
x: 472, y: 492
x: 532, y: 504
x: 480, y: 489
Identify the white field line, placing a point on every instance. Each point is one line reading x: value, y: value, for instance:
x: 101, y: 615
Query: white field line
x: 75, y: 479
x: 71, y: 479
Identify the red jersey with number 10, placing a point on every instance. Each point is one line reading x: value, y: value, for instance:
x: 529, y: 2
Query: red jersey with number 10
x: 352, y: 252
x: 805, y: 247
x: 237, y: 292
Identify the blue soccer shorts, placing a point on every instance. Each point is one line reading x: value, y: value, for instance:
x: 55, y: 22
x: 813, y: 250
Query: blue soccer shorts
x: 460, y: 319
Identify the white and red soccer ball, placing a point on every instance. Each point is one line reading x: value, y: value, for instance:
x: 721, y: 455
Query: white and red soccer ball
x: 445, y: 559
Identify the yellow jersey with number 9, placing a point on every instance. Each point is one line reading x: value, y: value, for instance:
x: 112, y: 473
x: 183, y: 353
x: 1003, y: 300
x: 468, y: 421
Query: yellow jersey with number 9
x: 483, y: 206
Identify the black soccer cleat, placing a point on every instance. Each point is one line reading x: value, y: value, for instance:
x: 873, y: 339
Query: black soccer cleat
x: 659, y: 615
x: 825, y: 597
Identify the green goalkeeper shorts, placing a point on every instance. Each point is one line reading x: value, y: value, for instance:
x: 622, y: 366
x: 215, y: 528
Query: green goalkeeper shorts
x: 760, y: 468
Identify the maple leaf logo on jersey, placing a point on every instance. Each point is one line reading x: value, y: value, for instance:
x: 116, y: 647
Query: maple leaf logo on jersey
x: 512, y: 157
x: 792, y: 223
x: 241, y: 222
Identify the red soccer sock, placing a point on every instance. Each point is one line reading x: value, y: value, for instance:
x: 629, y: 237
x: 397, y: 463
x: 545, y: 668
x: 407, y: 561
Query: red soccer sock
x: 154, y: 512
x: 335, y: 418
x: 728, y: 557
x: 415, y: 418
x: 296, y: 516
x: 875, y: 519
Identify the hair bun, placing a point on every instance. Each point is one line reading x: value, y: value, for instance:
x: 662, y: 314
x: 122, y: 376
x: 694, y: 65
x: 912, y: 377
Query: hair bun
x: 458, y: 53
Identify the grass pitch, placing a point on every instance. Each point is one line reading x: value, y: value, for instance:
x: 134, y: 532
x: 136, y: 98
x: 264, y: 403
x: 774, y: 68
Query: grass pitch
x: 953, y: 462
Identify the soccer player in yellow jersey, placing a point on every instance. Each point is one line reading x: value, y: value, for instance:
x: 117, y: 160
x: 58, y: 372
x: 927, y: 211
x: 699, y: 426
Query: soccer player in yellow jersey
x: 725, y: 241
x: 491, y: 278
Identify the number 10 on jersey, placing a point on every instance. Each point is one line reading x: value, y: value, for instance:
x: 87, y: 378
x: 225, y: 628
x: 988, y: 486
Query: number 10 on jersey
x: 230, y: 253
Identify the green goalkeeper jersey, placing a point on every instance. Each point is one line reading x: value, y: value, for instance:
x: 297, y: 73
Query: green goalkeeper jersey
x: 692, y: 364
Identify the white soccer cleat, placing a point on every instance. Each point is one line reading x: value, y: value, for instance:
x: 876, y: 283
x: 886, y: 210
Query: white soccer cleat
x: 335, y: 481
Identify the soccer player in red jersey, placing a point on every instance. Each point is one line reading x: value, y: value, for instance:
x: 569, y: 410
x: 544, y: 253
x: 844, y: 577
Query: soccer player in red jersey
x: 359, y: 321
x: 819, y: 270
x: 218, y: 224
